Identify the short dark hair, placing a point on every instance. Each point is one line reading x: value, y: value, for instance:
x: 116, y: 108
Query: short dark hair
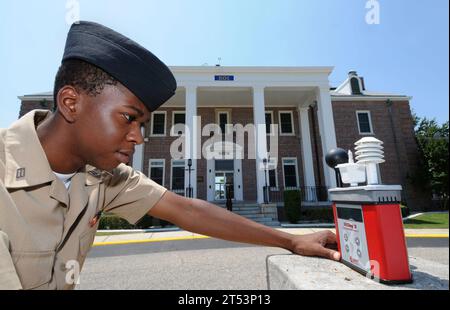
x: 83, y: 76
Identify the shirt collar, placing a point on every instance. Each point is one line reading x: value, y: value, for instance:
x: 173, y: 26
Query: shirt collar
x: 26, y: 162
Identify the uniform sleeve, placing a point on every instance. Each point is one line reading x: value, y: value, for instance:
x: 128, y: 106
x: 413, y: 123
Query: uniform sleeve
x: 130, y: 194
x: 9, y: 280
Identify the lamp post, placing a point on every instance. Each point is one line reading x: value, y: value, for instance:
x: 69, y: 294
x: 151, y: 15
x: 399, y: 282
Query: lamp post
x: 266, y: 200
x: 189, y: 191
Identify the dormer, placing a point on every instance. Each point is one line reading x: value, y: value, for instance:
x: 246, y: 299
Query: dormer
x: 353, y: 85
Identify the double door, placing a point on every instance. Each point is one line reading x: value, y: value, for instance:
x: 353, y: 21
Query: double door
x: 224, y: 179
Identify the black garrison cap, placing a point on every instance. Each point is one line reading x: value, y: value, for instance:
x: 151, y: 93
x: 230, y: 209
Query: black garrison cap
x: 147, y: 77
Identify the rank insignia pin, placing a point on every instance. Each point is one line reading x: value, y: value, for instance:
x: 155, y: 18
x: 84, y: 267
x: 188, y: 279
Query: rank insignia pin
x: 95, y: 173
x: 20, y: 173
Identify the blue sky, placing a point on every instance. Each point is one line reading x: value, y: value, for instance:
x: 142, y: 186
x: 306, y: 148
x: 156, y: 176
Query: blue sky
x: 406, y: 53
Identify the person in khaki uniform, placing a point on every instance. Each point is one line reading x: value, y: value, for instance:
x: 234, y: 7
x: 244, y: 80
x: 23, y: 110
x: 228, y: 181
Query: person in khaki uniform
x: 59, y: 171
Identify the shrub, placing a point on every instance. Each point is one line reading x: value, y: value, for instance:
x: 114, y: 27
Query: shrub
x: 292, y: 205
x: 405, y: 210
x: 111, y: 221
x: 323, y: 215
x: 114, y: 222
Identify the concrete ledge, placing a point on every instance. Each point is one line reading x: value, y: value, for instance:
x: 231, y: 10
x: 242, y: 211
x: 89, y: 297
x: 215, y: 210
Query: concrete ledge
x: 294, y: 272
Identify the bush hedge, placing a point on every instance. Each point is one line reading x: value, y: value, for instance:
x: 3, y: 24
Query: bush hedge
x: 322, y: 215
x: 292, y: 205
x: 111, y: 221
x: 114, y: 222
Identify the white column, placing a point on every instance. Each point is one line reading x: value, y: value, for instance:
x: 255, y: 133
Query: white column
x: 327, y: 131
x: 259, y: 118
x: 238, y: 193
x: 138, y: 156
x: 308, y: 166
x: 191, y: 138
x: 211, y: 181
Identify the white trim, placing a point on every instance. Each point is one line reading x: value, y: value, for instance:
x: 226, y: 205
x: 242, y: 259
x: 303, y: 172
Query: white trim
x: 292, y: 123
x: 260, y: 147
x: 163, y: 166
x: 368, y: 98
x: 238, y: 192
x: 138, y: 156
x: 306, y: 148
x: 192, y: 123
x: 152, y: 123
x: 296, y: 170
x: 370, y: 122
x: 271, y: 133
x: 210, y: 179
x: 213, y: 69
x: 172, y: 133
x: 171, y: 172
x: 327, y: 131
x: 36, y: 98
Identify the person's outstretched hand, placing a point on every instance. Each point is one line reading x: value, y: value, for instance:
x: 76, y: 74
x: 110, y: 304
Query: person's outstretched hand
x: 317, y: 244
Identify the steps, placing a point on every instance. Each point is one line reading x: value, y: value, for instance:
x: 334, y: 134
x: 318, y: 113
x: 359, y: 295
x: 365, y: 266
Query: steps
x: 253, y: 212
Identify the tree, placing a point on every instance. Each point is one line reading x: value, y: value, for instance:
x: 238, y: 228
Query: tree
x: 433, y: 142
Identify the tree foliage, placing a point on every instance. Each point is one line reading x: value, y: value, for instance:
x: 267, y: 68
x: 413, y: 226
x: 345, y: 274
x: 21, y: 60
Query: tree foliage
x: 433, y: 142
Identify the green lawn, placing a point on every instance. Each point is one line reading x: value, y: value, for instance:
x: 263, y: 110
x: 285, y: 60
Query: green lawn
x: 435, y: 220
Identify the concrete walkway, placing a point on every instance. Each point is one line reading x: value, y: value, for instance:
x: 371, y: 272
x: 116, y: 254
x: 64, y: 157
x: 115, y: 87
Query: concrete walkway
x: 282, y: 270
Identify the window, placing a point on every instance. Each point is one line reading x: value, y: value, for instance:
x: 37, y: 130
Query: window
x: 223, y: 121
x: 272, y: 174
x: 269, y: 122
x: 290, y: 173
x: 178, y: 167
x: 364, y: 122
x: 178, y: 119
x: 158, y: 124
x: 224, y: 165
x: 356, y: 89
x: 272, y: 179
x: 286, y: 122
x: 157, y: 171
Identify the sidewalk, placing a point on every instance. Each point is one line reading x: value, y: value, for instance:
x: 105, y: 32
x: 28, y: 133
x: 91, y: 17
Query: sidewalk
x: 173, y: 235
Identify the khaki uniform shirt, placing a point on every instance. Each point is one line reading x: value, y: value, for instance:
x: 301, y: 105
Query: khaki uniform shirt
x: 44, y: 228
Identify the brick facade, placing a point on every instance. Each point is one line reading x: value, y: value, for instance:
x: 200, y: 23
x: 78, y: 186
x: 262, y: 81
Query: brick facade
x: 288, y: 146
x: 394, y: 126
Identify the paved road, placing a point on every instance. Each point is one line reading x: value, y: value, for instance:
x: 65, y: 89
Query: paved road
x: 202, y: 264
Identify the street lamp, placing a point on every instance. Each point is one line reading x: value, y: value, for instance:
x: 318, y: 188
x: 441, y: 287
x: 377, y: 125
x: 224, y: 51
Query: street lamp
x: 189, y: 191
x: 266, y: 199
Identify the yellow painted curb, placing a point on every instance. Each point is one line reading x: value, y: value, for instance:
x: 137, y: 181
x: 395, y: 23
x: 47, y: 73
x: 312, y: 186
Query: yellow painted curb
x: 427, y: 236
x: 149, y: 240
x: 206, y: 237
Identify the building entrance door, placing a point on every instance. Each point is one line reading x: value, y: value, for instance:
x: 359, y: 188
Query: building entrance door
x: 221, y: 171
x: 222, y: 180
x: 224, y: 176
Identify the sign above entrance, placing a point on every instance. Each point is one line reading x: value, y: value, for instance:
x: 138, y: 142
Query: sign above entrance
x: 224, y: 77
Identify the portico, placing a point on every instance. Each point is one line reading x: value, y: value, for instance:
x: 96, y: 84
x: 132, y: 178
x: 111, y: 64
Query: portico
x: 251, y: 95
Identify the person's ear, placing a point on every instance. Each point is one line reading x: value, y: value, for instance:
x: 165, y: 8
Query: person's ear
x: 68, y: 101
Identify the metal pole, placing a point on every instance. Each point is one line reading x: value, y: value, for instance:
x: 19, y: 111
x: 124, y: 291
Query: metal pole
x: 189, y: 173
x: 265, y: 178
